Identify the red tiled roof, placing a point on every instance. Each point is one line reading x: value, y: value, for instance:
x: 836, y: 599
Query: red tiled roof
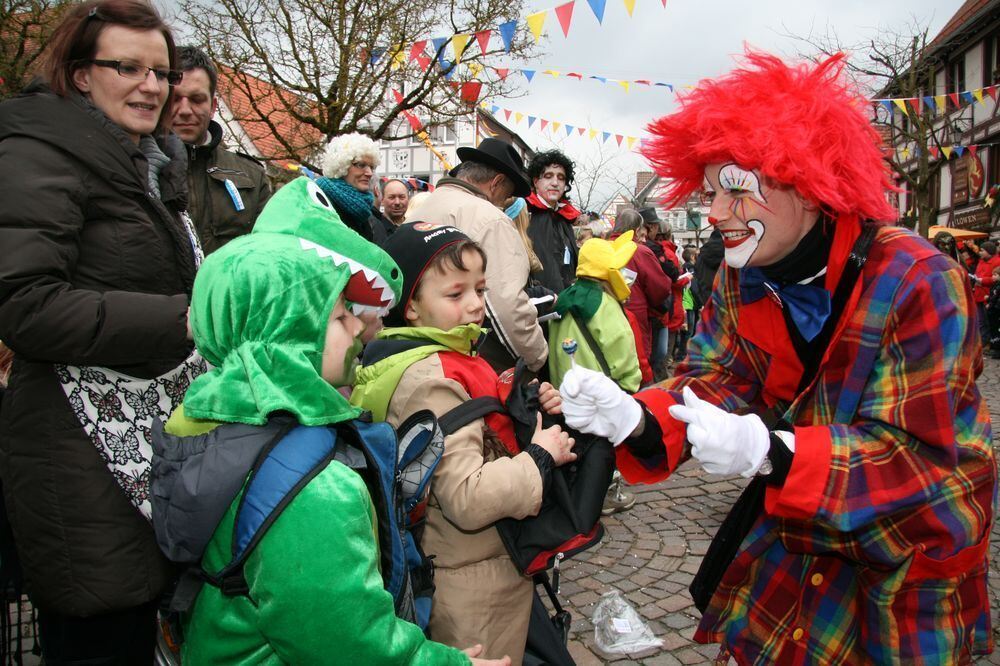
x: 235, y: 88
x: 968, y: 9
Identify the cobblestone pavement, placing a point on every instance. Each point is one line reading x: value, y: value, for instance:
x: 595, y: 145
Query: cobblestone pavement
x: 651, y: 552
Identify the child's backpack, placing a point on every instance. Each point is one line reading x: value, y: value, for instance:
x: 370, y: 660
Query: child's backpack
x: 397, y: 471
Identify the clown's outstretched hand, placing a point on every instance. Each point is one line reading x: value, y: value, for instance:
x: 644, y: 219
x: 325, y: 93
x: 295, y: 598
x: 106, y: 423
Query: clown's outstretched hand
x: 723, y: 443
x: 593, y: 403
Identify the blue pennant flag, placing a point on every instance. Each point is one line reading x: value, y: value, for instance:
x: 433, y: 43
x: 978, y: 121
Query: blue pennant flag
x: 959, y: 150
x: 606, y: 136
x: 528, y: 74
x: 600, y: 78
x: 929, y: 102
x: 375, y: 56
x: 598, y: 7
x: 531, y: 121
x: 664, y: 85
x: 966, y: 97
x: 494, y: 109
x: 507, y: 32
x: 569, y: 129
x: 439, y: 43
x: 887, y: 103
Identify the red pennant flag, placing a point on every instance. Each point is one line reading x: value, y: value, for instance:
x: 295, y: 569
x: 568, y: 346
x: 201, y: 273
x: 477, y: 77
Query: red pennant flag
x: 544, y: 123
x: 664, y: 3
x: 417, y: 49
x: 575, y: 75
x: 502, y: 73
x: 618, y: 138
x: 581, y: 130
x: 483, y: 39
x: 644, y: 82
x: 934, y: 151
x: 954, y: 99
x: 506, y: 113
x: 424, y: 61
x: 412, y: 182
x: 398, y: 96
x: 454, y: 85
x: 470, y: 92
x: 992, y: 90
x: 972, y: 149
x: 915, y: 104
x: 565, y: 14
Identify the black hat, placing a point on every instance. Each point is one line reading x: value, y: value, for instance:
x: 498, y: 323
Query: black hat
x: 412, y: 246
x: 649, y: 215
x: 501, y: 156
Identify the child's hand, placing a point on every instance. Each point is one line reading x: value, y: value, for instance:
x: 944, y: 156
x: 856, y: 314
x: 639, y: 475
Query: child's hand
x: 476, y: 650
x: 558, y: 443
x: 549, y: 398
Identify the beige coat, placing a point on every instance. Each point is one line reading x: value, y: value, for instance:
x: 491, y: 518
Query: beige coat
x: 514, y: 319
x: 480, y: 597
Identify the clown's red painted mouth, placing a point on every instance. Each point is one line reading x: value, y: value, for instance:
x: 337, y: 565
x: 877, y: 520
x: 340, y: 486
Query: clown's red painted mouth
x: 731, y: 239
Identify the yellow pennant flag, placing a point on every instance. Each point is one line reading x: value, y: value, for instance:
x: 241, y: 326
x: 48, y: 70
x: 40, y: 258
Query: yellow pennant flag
x: 629, y: 6
x: 905, y: 153
x: 535, y: 23
x: 518, y: 116
x: 630, y: 140
x: 458, y: 43
x: 551, y: 72
x: 555, y: 125
x: 398, y: 57
x: 624, y: 84
x: 475, y: 69
x: 978, y: 94
x: 947, y: 152
x: 901, y: 103
x: 592, y: 133
x: 941, y: 102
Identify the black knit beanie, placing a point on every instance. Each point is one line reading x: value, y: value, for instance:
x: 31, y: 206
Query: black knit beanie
x: 412, y: 246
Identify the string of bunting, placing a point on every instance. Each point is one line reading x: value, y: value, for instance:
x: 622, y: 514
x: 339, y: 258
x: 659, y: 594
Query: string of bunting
x: 937, y: 103
x: 559, y: 129
x: 948, y: 152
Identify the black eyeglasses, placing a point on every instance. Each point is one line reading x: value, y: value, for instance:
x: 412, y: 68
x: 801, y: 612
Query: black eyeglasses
x: 137, y: 72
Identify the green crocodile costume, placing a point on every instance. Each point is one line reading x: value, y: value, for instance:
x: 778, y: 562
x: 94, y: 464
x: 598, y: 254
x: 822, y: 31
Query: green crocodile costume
x: 259, y: 313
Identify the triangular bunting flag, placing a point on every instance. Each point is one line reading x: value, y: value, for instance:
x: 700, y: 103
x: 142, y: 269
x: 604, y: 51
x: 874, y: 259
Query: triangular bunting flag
x: 417, y: 48
x: 630, y: 140
x: 592, y: 133
x: 575, y: 75
x: 483, y: 39
x: 564, y: 13
x: 543, y: 125
x: 494, y: 109
x: 618, y: 138
x: 398, y: 57
x: 518, y: 117
x: 915, y: 104
x: 954, y: 99
x: 629, y: 6
x: 470, y: 92
x: 376, y: 55
x: 887, y: 103
x: 959, y: 150
x: 397, y: 96
x: 458, y: 43
x: 929, y: 102
x: 966, y: 97
x: 569, y: 130
x: 581, y: 130
x: 551, y: 72
x: 506, y: 114
x: 598, y: 8
x: 475, y: 69
x: 905, y: 153
x: 502, y: 73
x: 947, y: 152
x: 933, y: 150
x: 605, y: 136
x: 624, y: 84
x: 531, y: 121
x: 507, y: 34
x: 556, y: 125
x: 448, y: 68
x: 901, y: 103
x: 424, y: 61
x: 600, y: 78
x: 972, y: 150
x: 940, y: 101
x: 528, y: 74
x: 535, y: 23
x: 992, y: 92
x: 644, y: 82
x: 439, y: 43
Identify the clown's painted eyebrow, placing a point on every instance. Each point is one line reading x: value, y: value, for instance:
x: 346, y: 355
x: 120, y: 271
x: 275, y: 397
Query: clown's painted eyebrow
x: 733, y: 178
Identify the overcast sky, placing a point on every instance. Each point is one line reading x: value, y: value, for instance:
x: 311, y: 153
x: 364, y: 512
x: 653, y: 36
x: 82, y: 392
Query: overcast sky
x: 681, y: 43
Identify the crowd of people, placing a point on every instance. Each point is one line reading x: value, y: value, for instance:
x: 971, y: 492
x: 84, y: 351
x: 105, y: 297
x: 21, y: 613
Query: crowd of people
x: 205, y: 378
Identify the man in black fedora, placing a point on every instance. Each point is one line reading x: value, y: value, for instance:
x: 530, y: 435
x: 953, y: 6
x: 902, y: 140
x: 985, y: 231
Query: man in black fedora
x: 470, y: 199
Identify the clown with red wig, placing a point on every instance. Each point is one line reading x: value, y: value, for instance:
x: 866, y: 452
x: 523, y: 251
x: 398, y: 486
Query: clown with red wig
x: 835, y: 366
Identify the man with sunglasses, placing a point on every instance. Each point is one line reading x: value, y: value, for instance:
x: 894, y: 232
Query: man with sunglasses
x: 226, y: 189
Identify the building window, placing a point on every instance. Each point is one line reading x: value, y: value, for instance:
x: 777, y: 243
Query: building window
x: 993, y: 170
x: 991, y: 59
x: 956, y: 75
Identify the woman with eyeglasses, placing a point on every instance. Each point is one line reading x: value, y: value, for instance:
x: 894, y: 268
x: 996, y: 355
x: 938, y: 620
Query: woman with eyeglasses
x: 349, y: 179
x: 95, y: 275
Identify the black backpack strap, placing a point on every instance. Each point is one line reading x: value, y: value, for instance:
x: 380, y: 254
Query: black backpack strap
x: 594, y: 347
x: 467, y: 412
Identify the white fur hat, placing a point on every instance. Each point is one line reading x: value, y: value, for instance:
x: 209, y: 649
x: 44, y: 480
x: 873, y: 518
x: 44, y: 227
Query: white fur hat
x: 346, y: 148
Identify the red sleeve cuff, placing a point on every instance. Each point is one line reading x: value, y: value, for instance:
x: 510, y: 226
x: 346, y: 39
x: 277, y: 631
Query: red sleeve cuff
x: 803, y: 490
x: 656, y: 402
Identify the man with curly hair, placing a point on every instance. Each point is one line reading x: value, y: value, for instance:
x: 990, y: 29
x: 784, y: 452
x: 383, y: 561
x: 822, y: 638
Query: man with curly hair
x: 552, y: 216
x: 835, y: 365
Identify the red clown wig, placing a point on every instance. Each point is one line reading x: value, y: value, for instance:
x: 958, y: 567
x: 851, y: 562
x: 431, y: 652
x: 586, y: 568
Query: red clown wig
x: 802, y: 126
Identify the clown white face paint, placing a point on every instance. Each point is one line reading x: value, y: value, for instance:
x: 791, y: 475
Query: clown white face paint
x: 757, y: 228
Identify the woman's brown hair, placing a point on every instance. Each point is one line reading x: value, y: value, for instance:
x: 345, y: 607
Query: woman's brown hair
x: 74, y: 41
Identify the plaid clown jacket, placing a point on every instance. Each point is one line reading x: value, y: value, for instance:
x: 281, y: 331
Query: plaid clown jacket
x: 875, y: 549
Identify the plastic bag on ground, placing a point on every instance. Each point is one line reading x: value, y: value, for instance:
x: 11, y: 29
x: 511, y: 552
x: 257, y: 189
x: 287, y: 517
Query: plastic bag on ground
x: 618, y: 628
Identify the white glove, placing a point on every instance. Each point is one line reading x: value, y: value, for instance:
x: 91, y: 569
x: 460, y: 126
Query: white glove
x: 594, y: 404
x: 723, y: 443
